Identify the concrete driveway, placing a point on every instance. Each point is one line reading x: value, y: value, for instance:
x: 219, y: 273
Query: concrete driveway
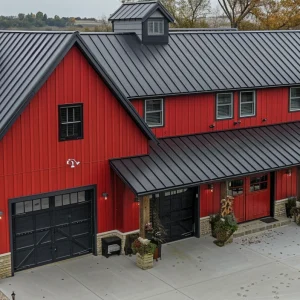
x: 263, y: 266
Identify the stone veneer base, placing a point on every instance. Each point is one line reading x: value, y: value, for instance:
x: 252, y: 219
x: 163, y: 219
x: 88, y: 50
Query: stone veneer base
x: 5, y: 265
x: 279, y: 209
x: 117, y: 233
x: 205, y: 227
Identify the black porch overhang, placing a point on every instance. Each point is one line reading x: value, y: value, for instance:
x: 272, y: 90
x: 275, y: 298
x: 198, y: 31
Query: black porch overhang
x: 195, y: 159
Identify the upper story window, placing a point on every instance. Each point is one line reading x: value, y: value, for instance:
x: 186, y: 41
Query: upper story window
x: 155, y: 27
x: 247, y: 103
x: 224, y: 106
x: 154, y: 114
x: 70, y: 122
x: 295, y: 98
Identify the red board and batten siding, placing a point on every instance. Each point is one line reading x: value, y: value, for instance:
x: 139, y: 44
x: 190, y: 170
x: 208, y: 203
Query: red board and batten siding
x: 195, y: 113
x: 33, y: 161
x: 286, y: 186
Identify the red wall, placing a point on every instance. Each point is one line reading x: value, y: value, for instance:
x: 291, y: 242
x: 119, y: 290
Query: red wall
x: 32, y: 161
x: 210, y: 201
x: 286, y: 186
x: 195, y: 113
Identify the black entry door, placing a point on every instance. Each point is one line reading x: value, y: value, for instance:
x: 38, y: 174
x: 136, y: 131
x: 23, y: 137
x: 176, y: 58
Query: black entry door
x: 176, y: 212
x: 49, y: 229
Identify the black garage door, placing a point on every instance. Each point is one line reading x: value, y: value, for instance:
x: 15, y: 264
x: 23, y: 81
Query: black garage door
x: 176, y: 212
x: 52, y: 228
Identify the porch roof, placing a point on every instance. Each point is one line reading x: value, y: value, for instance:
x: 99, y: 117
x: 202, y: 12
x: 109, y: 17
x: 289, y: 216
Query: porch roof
x: 191, y: 160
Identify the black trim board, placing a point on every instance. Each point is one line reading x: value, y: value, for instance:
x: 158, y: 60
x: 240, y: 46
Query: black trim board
x: 197, y: 214
x: 52, y: 194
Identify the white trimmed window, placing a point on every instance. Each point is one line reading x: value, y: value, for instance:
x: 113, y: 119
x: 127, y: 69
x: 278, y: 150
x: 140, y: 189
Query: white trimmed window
x: 294, y: 98
x: 154, y: 112
x: 155, y: 27
x: 224, y: 106
x: 247, y: 103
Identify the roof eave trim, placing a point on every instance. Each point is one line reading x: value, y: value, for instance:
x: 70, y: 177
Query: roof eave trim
x: 40, y: 82
x: 163, y: 11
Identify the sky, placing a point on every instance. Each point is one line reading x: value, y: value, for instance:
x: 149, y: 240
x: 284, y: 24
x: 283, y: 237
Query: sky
x: 63, y: 8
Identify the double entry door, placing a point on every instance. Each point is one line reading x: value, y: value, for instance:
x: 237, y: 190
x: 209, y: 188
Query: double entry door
x: 251, y: 197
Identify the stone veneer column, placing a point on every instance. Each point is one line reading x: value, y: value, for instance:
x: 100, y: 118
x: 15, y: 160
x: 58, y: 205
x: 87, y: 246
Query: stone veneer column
x: 205, y: 227
x: 279, y: 209
x: 5, y: 265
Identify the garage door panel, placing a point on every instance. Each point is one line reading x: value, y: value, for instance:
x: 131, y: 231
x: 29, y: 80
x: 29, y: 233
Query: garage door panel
x: 25, y: 223
x: 26, y: 240
x: 52, y: 228
x: 84, y: 227
x: 82, y: 211
x: 43, y: 220
x: 43, y: 237
x: 62, y: 249
x: 24, y: 258
x: 44, y: 254
x: 62, y: 216
x: 81, y: 244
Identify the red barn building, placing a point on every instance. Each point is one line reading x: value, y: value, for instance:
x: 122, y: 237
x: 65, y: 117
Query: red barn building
x: 92, y: 123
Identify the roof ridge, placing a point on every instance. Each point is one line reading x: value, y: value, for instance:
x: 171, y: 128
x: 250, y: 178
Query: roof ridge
x: 38, y: 31
x: 140, y: 2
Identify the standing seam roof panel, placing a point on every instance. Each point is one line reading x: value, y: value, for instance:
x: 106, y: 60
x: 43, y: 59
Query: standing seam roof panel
x: 163, y: 159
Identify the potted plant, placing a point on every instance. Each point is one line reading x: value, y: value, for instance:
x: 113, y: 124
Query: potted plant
x: 291, y: 203
x: 213, y: 219
x: 224, y: 229
x: 158, y: 233
x: 144, y: 250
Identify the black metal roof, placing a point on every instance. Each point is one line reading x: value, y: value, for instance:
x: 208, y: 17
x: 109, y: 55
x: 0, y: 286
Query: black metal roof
x: 139, y: 11
x: 196, y: 62
x: 191, y: 160
x: 26, y: 61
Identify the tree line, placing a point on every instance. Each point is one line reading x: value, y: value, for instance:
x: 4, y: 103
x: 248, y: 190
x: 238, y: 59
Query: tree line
x: 241, y: 14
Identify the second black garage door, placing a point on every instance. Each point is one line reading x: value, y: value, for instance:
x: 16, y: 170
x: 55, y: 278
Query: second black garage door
x: 51, y: 228
x: 177, y: 212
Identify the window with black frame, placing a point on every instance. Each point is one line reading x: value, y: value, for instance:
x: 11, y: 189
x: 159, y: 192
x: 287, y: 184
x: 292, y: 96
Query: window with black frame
x: 235, y: 187
x: 70, y: 122
x: 258, y: 183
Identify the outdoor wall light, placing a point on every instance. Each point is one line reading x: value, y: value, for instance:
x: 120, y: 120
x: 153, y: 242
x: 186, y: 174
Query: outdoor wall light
x: 210, y: 187
x: 288, y: 172
x: 1, y: 214
x: 105, y: 196
x: 137, y: 199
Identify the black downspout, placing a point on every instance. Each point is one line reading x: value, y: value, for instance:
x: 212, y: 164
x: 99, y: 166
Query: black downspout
x: 197, y: 213
x: 272, y: 194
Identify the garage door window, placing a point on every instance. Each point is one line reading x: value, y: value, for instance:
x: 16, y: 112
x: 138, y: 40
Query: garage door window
x: 258, y: 183
x: 31, y: 205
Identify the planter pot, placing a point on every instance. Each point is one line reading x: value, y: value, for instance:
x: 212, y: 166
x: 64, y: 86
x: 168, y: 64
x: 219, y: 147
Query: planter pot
x: 224, y: 238
x: 144, y: 262
x: 297, y: 219
x: 157, y: 253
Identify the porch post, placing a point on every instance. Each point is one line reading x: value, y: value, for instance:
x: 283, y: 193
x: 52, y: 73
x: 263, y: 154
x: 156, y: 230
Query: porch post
x: 144, y: 214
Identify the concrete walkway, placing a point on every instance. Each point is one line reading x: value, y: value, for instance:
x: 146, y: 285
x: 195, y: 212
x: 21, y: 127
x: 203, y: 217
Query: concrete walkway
x: 262, y: 266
